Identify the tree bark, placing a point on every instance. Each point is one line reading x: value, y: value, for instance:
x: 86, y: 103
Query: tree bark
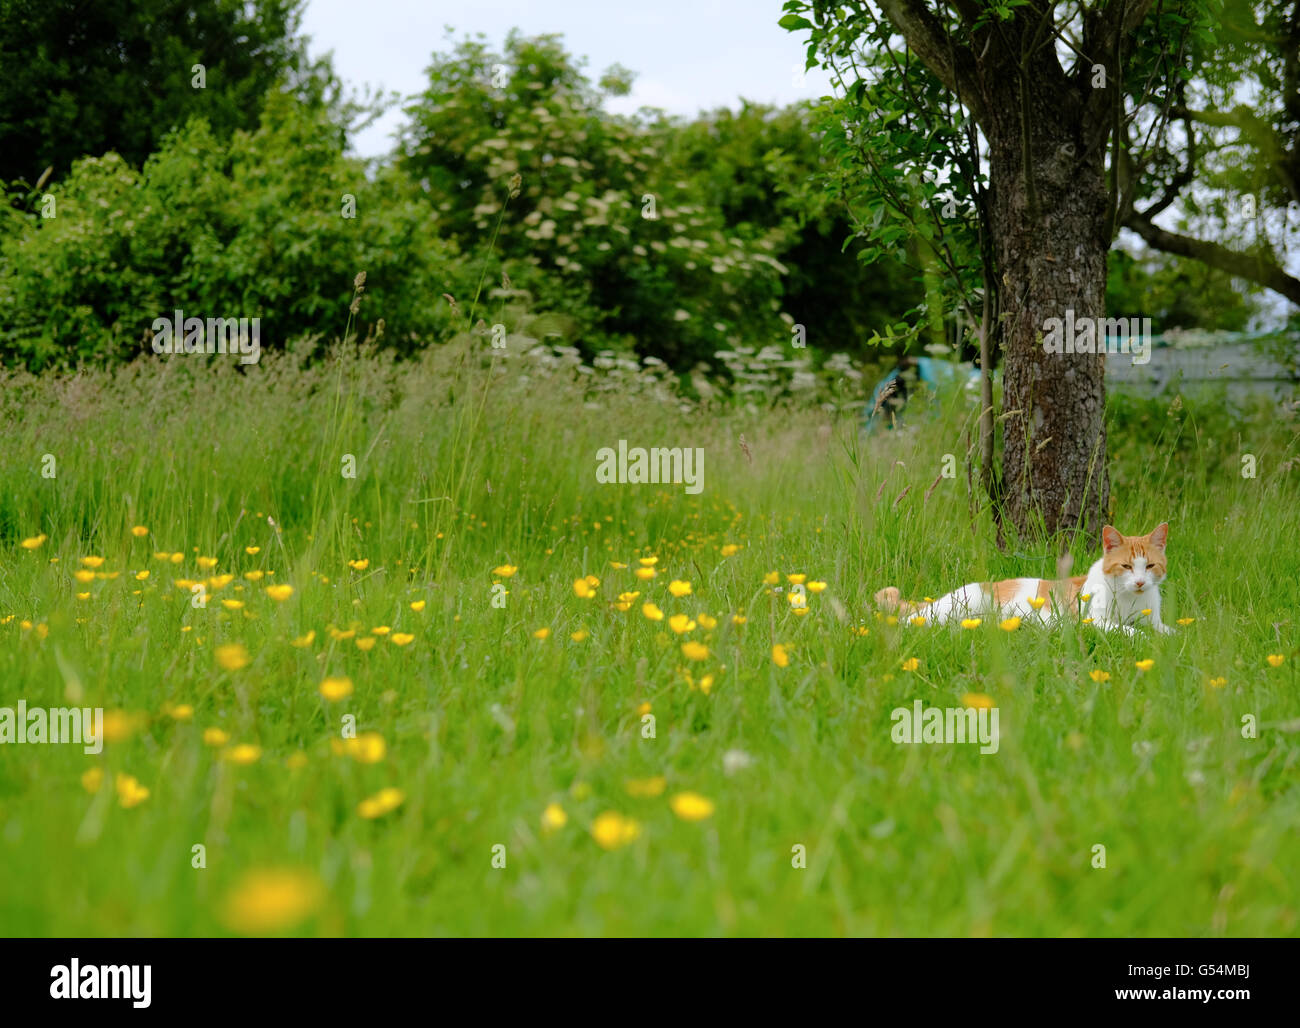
x: 1049, y: 207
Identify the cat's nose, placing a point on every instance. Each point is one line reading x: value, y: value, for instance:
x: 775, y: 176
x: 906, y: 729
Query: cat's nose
x: 1139, y: 583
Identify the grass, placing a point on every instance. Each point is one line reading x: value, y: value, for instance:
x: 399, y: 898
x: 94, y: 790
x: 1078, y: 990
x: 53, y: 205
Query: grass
x: 462, y: 468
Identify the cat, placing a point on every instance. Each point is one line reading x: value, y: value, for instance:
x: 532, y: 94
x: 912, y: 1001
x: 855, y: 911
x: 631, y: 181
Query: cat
x: 1120, y: 590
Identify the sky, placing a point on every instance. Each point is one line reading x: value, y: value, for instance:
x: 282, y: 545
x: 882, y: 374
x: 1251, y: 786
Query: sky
x: 688, y: 54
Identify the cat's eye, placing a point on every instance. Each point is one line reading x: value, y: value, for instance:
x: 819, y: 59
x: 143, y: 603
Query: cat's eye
x: 1128, y: 567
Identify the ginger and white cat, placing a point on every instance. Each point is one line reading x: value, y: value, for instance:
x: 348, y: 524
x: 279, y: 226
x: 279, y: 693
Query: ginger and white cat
x: 1120, y: 590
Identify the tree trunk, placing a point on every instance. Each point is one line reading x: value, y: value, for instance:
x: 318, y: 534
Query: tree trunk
x: 1050, y: 241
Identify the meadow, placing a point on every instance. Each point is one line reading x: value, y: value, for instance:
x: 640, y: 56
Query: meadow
x: 586, y: 709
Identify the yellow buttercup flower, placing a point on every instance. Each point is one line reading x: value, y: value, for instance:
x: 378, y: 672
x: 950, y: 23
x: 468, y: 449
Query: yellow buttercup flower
x: 232, y: 604
x: 279, y: 593
x: 505, y: 570
x: 1037, y: 602
x: 269, y: 901
x: 580, y: 635
x: 779, y: 656
x: 1146, y: 612
x: 647, y: 562
x: 706, y: 622
x: 366, y: 643
x: 1097, y: 675
x: 244, y: 753
x: 971, y: 622
x: 680, y: 623
x: 1275, y: 659
x: 83, y: 576
x: 402, y: 638
x: 645, y: 574
x: 978, y: 700
x: 366, y: 748
x: 92, y: 562
x: 130, y: 793
x: 582, y: 589
x: 772, y: 578
x: 679, y: 588
x: 92, y: 779
x: 652, y: 612
x: 911, y: 664
x: 254, y: 576
x: 645, y: 787
x: 695, y: 651
x: 919, y: 621
x: 35, y: 542
x: 359, y: 565
x: 215, y: 737
x: 1145, y: 665
x: 140, y: 576
x: 385, y: 801
x: 554, y: 818
x: 232, y: 656
x: 1186, y: 621
x: 738, y: 619
x: 336, y: 688
x: 1218, y: 683
x: 542, y: 633
x: 691, y: 806
x: 1010, y: 624
x: 252, y: 551
x: 180, y: 712
x: 729, y: 549
x: 303, y: 641
x: 206, y: 563
x: 612, y: 830
x: 816, y: 587
x: 417, y: 605
x: 139, y: 531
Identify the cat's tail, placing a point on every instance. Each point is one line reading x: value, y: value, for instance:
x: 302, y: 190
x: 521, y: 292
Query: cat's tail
x: 889, y: 598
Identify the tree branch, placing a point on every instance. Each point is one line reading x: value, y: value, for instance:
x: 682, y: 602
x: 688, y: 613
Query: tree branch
x: 926, y: 37
x: 1264, y: 272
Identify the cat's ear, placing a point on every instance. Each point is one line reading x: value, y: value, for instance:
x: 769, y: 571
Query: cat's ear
x: 1160, y: 534
x: 1110, y: 539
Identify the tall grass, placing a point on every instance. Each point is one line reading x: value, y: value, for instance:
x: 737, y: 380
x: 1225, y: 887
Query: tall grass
x: 466, y: 462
